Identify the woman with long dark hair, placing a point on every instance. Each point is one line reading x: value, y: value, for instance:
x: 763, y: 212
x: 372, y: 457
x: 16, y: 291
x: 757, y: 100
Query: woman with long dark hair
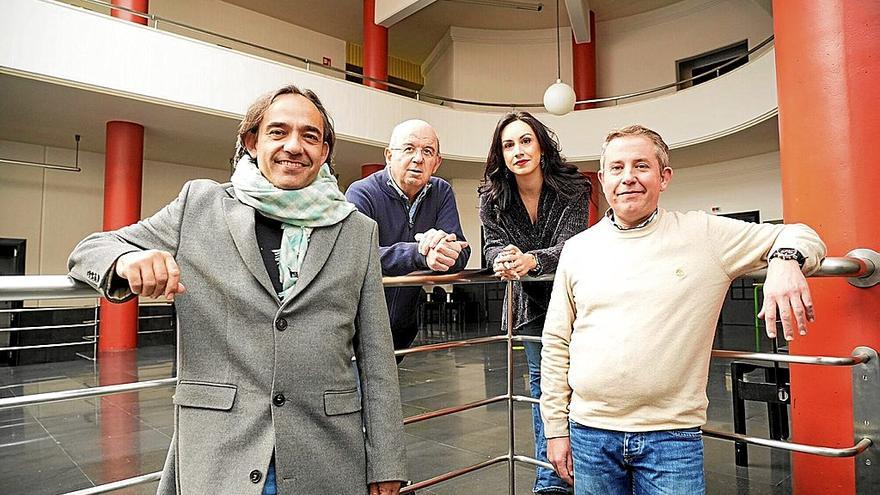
x: 531, y: 202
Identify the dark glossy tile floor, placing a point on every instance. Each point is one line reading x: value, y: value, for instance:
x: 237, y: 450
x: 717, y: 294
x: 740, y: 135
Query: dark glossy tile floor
x: 62, y: 447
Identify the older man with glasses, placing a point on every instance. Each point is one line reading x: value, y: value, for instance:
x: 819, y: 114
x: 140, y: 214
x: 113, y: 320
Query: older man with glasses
x: 419, y: 227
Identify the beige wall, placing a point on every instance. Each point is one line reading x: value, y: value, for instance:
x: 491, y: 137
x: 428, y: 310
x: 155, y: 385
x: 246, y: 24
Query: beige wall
x: 247, y: 25
x: 468, y: 202
x: 495, y: 65
x: 639, y: 52
x: 745, y: 184
x: 53, y: 209
x: 439, y: 68
x: 633, y: 53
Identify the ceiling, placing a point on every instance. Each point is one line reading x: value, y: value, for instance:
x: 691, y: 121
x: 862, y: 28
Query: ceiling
x: 413, y: 38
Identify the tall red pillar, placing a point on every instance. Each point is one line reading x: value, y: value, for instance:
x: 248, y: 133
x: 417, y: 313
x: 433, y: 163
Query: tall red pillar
x: 595, y: 189
x: 123, y: 175
x: 583, y: 67
x: 375, y: 47
x: 138, y: 5
x: 121, y: 457
x: 827, y: 69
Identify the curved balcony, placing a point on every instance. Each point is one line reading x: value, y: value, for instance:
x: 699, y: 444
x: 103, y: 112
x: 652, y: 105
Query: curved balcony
x: 60, y: 44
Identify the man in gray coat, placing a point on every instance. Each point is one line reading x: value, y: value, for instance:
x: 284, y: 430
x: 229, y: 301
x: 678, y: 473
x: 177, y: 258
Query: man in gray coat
x: 282, y: 288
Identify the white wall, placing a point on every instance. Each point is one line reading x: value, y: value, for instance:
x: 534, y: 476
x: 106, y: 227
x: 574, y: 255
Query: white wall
x: 632, y: 53
x: 439, y: 68
x: 745, y: 184
x: 54, y: 209
x: 53, y: 42
x: 247, y: 25
x: 496, y: 65
x: 468, y: 202
x: 639, y: 52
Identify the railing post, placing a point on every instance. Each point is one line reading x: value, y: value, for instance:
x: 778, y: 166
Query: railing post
x: 511, y: 447
x: 866, y: 420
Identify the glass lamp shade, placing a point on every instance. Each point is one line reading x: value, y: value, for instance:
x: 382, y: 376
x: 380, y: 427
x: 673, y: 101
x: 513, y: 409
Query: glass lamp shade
x: 559, y: 98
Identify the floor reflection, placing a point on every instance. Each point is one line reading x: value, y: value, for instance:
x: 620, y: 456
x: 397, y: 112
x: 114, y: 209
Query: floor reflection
x: 62, y: 447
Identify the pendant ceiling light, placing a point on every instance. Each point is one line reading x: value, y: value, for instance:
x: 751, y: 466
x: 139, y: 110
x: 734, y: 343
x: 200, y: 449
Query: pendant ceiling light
x: 559, y: 98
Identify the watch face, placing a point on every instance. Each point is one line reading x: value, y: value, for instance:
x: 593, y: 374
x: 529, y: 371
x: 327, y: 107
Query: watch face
x: 788, y: 254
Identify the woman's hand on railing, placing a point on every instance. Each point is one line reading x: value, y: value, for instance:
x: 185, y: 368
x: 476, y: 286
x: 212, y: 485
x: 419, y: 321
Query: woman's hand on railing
x: 513, y: 264
x: 151, y: 273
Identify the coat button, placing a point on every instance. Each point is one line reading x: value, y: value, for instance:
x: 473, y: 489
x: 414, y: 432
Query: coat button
x: 256, y: 476
x: 279, y: 400
x: 281, y: 324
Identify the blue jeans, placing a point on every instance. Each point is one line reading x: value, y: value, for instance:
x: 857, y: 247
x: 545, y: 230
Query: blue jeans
x: 270, y: 488
x: 546, y: 480
x: 609, y: 462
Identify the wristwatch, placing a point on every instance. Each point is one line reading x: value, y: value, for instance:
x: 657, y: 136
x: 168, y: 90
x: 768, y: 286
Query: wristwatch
x: 788, y: 254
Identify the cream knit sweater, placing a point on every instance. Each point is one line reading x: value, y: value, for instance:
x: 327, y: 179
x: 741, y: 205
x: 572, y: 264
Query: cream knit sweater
x: 631, y: 321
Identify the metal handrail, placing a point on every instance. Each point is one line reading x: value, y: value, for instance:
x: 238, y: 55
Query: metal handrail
x: 853, y: 360
x: 845, y: 267
x: 89, y: 323
x: 142, y: 304
x: 24, y: 287
x: 84, y: 393
x: 118, y: 485
x: 804, y: 448
x: 418, y: 94
x: 853, y: 451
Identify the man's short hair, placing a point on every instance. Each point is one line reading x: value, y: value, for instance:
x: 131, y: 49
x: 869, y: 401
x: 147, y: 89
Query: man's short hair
x: 636, y: 130
x: 254, y: 116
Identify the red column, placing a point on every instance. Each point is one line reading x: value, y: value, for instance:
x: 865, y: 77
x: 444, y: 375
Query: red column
x: 120, y: 439
x: 138, y: 5
x: 595, y: 190
x: 368, y: 169
x: 375, y: 47
x: 827, y: 67
x: 583, y: 67
x: 123, y: 172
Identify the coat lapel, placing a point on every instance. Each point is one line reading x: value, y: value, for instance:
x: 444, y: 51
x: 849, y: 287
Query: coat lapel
x: 321, y: 245
x: 240, y: 219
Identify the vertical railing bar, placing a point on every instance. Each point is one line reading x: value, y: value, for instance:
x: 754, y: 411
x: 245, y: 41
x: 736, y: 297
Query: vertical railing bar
x: 511, y: 448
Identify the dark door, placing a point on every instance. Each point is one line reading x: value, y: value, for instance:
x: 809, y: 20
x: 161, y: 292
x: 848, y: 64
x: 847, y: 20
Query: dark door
x: 12, y: 254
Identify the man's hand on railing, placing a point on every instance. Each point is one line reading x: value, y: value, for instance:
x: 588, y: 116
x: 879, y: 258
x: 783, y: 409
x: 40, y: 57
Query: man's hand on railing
x: 559, y: 454
x: 385, y: 488
x: 151, y: 273
x: 786, y: 289
x: 441, y: 250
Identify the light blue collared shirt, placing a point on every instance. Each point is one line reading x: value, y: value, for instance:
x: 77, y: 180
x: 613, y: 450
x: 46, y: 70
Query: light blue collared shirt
x: 410, y: 207
x: 651, y: 217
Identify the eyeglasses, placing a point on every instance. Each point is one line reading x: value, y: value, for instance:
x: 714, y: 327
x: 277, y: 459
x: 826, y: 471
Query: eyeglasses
x: 410, y: 151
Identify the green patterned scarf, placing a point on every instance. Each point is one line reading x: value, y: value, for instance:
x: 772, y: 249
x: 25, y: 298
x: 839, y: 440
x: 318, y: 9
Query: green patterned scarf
x: 320, y: 204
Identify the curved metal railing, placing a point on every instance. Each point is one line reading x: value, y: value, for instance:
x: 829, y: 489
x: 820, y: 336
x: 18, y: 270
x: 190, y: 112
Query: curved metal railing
x: 414, y: 93
x: 30, y: 287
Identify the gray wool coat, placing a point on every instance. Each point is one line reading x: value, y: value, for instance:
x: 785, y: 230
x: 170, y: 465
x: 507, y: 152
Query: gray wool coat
x: 239, y: 347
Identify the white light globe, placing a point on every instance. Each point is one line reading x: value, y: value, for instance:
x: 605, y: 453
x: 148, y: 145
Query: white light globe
x: 559, y: 98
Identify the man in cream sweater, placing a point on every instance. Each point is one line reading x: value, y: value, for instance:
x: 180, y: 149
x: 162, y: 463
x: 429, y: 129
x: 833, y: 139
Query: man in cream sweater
x: 630, y: 325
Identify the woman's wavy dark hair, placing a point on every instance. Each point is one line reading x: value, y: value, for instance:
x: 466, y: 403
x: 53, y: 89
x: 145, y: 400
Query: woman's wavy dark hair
x: 499, y: 183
